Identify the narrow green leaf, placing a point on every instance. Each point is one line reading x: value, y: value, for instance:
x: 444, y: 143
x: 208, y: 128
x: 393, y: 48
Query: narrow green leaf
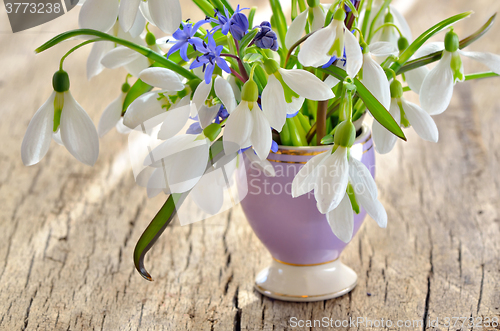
x: 479, y: 33
x: 374, y: 106
x: 247, y: 39
x: 228, y: 6
x: 138, y: 89
x: 206, y: 7
x: 280, y: 20
x: 251, y: 16
x: 408, y: 53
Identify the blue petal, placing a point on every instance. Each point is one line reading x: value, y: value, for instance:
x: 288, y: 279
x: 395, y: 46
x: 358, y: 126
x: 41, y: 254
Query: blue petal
x: 292, y: 115
x: 176, y: 47
x: 223, y: 65
x: 209, y: 70
x: 183, y: 52
x: 274, y: 147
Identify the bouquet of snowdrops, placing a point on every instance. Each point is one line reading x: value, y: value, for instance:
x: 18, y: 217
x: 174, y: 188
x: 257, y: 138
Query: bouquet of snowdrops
x: 227, y: 85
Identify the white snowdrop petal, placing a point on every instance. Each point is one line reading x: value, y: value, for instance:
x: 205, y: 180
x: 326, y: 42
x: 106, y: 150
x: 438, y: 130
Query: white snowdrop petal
x: 236, y: 89
x: 143, y: 109
x: 225, y: 93
x: 265, y: 165
x: 383, y: 139
x: 306, y: 84
x: 157, y: 183
x: 174, y: 121
x: 206, y: 115
x: 400, y: 21
x: 138, y: 26
x: 163, y: 78
x: 314, y: 51
x: 491, y: 60
x: 341, y: 220
x: 136, y: 66
x: 361, y: 178
x: 416, y: 77
x: 437, y: 89
x: 383, y: 49
x: 201, y: 94
x: 128, y: 13
x: 429, y: 49
x: 374, y: 208
x: 294, y: 106
x: 166, y: 14
x: 119, y: 57
x: 332, y: 180
x: 353, y: 54
x: 296, y: 29
x: 78, y: 132
x: 305, y: 179
x: 111, y: 116
x: 36, y: 141
x: 98, y: 15
x: 208, y: 194
x: 375, y: 81
x: 319, y: 18
x: 261, y: 136
x: 421, y: 121
x: 274, y: 103
x: 94, y: 65
x: 331, y: 81
x: 239, y: 125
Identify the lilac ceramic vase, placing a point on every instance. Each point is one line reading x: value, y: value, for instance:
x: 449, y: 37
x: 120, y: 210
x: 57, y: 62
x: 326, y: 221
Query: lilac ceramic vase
x: 305, y: 252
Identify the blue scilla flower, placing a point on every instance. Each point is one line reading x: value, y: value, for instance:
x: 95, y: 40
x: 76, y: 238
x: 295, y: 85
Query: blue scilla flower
x: 236, y: 24
x: 184, y: 37
x: 266, y: 38
x: 221, y: 115
x: 210, y: 58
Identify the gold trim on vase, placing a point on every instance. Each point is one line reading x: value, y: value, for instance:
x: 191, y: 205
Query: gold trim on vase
x: 304, y: 265
x: 302, y: 152
x: 304, y: 162
x: 336, y: 294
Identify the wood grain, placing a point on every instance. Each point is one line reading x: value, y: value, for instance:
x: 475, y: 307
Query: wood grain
x: 68, y: 231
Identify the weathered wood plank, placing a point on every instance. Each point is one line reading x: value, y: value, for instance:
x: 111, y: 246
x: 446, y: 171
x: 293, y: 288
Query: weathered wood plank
x: 68, y: 231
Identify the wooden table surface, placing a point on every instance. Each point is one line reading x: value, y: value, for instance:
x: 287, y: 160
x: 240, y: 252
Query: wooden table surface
x: 67, y: 231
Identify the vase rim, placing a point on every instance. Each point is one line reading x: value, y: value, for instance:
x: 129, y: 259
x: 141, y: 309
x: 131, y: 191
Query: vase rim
x: 361, y: 139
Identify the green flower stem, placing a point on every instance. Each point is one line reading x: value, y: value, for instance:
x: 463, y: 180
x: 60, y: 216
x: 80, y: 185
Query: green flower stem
x: 371, y: 33
x: 297, y: 44
x: 75, y: 48
x: 150, y: 54
x: 389, y: 25
x: 479, y: 75
x: 331, y: 110
x: 366, y: 19
x: 321, y: 121
x: 408, y: 53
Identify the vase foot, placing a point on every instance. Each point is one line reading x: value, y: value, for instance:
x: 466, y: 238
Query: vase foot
x: 306, y: 283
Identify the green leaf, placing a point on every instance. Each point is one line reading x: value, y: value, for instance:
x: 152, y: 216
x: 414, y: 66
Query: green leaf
x: 252, y: 57
x: 247, y: 39
x: 479, y: 33
x: 138, y: 89
x: 408, y: 53
x: 374, y: 106
x: 280, y: 20
x: 206, y: 7
x: 251, y: 16
x: 165, y: 216
x: 327, y: 140
x: 228, y: 7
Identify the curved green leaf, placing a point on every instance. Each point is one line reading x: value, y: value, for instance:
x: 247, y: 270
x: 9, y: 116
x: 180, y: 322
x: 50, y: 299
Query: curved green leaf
x: 374, y: 106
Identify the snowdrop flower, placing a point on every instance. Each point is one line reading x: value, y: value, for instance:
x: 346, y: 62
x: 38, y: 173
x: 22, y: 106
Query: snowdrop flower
x: 148, y: 107
x: 99, y: 15
x: 165, y: 14
x: 61, y: 116
x: 223, y: 91
x: 298, y: 26
x: 247, y: 125
x: 390, y: 34
x: 179, y: 164
x: 404, y: 111
x: 112, y: 115
x: 331, y: 41
x: 286, y: 91
x: 329, y: 174
x: 416, y: 77
x: 437, y: 88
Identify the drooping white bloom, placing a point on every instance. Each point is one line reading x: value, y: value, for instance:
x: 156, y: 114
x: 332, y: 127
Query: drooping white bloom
x: 419, y: 119
x: 223, y: 90
x: 437, y: 88
x: 416, y: 77
x: 112, y: 115
x: 76, y: 131
x: 331, y: 41
x: 247, y: 127
x: 298, y: 26
x: 99, y: 15
x: 165, y: 14
x: 300, y: 84
x: 329, y: 175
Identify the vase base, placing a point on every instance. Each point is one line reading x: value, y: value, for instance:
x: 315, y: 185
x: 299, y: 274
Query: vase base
x: 306, y: 283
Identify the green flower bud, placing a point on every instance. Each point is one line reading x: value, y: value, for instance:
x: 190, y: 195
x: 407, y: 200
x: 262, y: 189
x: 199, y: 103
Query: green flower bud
x: 271, y: 66
x: 125, y: 87
x: 451, y: 41
x: 396, y: 89
x: 250, y: 91
x: 340, y: 14
x: 345, y: 134
x: 313, y: 3
x: 403, y: 44
x: 389, y: 18
x: 150, y: 39
x: 60, y: 81
x: 212, y: 131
